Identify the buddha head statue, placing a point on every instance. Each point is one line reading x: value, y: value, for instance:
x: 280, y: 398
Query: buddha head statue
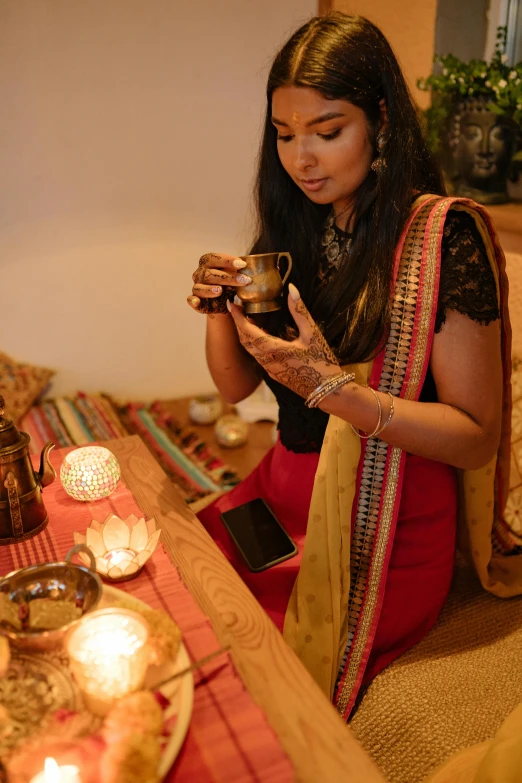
x: 482, y: 145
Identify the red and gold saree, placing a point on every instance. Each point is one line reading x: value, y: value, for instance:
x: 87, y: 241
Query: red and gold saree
x: 339, y: 590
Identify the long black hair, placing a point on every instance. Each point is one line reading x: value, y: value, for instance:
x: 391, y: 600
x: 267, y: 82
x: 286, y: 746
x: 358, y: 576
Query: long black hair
x: 346, y: 57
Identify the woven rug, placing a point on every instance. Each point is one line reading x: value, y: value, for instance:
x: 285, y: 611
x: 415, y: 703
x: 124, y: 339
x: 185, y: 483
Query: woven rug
x: 85, y: 418
x: 452, y: 690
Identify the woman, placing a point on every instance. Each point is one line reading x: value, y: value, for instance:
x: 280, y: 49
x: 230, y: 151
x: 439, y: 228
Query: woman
x: 387, y: 381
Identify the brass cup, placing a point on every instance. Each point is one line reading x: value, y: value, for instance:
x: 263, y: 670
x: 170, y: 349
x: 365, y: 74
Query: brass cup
x: 263, y: 294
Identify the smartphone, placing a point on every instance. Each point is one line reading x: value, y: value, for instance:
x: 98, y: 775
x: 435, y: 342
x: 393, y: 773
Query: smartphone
x: 261, y: 539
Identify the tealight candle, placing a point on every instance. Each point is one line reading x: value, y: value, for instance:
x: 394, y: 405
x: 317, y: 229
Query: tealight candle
x: 54, y: 773
x: 90, y: 473
x: 108, y: 656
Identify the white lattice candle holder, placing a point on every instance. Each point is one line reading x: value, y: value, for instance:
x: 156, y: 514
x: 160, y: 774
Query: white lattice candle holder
x: 90, y: 473
x: 121, y: 547
x: 108, y: 656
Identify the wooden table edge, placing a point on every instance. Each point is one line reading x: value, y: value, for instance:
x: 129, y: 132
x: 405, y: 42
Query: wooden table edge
x: 319, y: 744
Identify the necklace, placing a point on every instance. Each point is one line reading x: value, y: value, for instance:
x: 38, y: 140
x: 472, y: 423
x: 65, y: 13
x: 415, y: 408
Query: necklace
x: 336, y: 243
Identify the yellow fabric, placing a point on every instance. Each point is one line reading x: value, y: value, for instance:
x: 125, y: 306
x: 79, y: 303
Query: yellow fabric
x: 496, y: 761
x: 478, y: 505
x: 314, y: 622
x: 316, y: 618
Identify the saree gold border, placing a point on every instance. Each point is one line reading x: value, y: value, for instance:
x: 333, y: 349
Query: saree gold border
x: 392, y: 376
x: 406, y: 281
x: 427, y: 301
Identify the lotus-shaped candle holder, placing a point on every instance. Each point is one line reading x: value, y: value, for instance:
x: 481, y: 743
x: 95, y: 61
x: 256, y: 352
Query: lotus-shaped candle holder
x: 121, y: 547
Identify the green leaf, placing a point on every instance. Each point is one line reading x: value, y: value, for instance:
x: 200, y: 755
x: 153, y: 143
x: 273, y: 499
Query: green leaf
x: 495, y: 108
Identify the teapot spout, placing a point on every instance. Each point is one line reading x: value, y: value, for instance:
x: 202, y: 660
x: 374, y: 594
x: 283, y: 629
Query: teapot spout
x: 47, y: 474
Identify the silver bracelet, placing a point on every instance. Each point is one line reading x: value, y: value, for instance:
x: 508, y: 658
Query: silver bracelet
x: 327, y: 387
x: 329, y: 383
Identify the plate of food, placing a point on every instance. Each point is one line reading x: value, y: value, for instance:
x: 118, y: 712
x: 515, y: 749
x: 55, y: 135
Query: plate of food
x: 42, y: 714
x: 170, y: 657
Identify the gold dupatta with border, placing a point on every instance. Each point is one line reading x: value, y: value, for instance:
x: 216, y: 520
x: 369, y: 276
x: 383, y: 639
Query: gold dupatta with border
x: 334, y: 609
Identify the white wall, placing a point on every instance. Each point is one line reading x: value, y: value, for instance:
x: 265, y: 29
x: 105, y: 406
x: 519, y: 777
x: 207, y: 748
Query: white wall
x: 128, y: 136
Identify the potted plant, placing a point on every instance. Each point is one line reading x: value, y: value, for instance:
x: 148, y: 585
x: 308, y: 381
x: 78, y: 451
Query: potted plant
x: 475, y: 120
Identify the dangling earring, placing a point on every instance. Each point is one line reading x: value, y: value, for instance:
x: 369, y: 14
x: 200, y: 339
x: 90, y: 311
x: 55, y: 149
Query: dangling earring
x: 379, y: 164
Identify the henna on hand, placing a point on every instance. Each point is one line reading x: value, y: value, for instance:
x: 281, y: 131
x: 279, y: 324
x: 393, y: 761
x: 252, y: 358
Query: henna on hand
x: 208, y: 258
x: 300, y: 366
x: 317, y: 350
x: 302, y: 380
x: 252, y: 345
x: 216, y: 304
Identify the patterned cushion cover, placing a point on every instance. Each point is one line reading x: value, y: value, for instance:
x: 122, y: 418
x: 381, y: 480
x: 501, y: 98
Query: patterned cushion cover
x: 21, y: 385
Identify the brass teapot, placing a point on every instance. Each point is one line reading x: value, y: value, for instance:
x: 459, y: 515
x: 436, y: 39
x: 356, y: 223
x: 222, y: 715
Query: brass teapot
x: 22, y: 512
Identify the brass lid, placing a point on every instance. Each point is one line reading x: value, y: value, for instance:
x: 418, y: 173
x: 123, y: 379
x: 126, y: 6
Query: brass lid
x: 9, y: 434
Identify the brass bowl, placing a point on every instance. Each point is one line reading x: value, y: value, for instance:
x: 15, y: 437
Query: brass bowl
x: 59, y: 582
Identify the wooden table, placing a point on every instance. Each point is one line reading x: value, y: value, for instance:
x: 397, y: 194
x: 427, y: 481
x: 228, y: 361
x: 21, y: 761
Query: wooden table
x: 319, y: 744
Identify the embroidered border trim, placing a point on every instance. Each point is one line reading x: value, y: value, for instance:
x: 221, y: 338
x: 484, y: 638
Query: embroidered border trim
x: 378, y: 502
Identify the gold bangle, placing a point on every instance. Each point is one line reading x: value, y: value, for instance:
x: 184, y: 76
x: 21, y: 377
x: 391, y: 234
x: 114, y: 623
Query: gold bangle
x: 390, y: 414
x: 378, y: 427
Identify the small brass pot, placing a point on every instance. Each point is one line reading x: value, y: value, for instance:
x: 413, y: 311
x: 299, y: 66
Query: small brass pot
x: 263, y: 294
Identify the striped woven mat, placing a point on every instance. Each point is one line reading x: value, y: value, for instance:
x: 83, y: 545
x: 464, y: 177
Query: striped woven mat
x: 85, y: 418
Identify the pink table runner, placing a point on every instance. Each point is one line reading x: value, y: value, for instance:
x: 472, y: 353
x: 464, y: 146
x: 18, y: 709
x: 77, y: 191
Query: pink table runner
x: 229, y: 738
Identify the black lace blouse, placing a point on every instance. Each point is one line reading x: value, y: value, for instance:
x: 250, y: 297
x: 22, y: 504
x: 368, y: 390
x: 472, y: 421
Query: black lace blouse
x: 467, y: 286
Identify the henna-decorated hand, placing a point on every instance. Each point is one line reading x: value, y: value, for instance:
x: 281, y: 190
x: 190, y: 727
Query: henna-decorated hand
x: 215, y: 282
x: 301, y: 364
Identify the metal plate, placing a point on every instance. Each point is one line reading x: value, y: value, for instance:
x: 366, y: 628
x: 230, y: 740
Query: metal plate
x: 34, y: 686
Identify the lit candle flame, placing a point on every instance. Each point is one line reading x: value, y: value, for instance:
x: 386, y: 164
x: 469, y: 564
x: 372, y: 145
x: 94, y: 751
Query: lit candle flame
x: 52, y: 771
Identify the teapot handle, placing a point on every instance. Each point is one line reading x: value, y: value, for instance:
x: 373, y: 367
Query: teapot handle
x: 289, y: 260
x: 81, y: 548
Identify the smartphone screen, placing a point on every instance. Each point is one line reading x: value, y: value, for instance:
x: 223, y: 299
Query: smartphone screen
x: 258, y: 535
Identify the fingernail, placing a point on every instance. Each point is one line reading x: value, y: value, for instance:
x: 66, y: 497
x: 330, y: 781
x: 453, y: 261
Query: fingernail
x: 294, y: 293
x: 229, y: 305
x: 243, y: 279
x: 239, y: 263
x: 216, y: 289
